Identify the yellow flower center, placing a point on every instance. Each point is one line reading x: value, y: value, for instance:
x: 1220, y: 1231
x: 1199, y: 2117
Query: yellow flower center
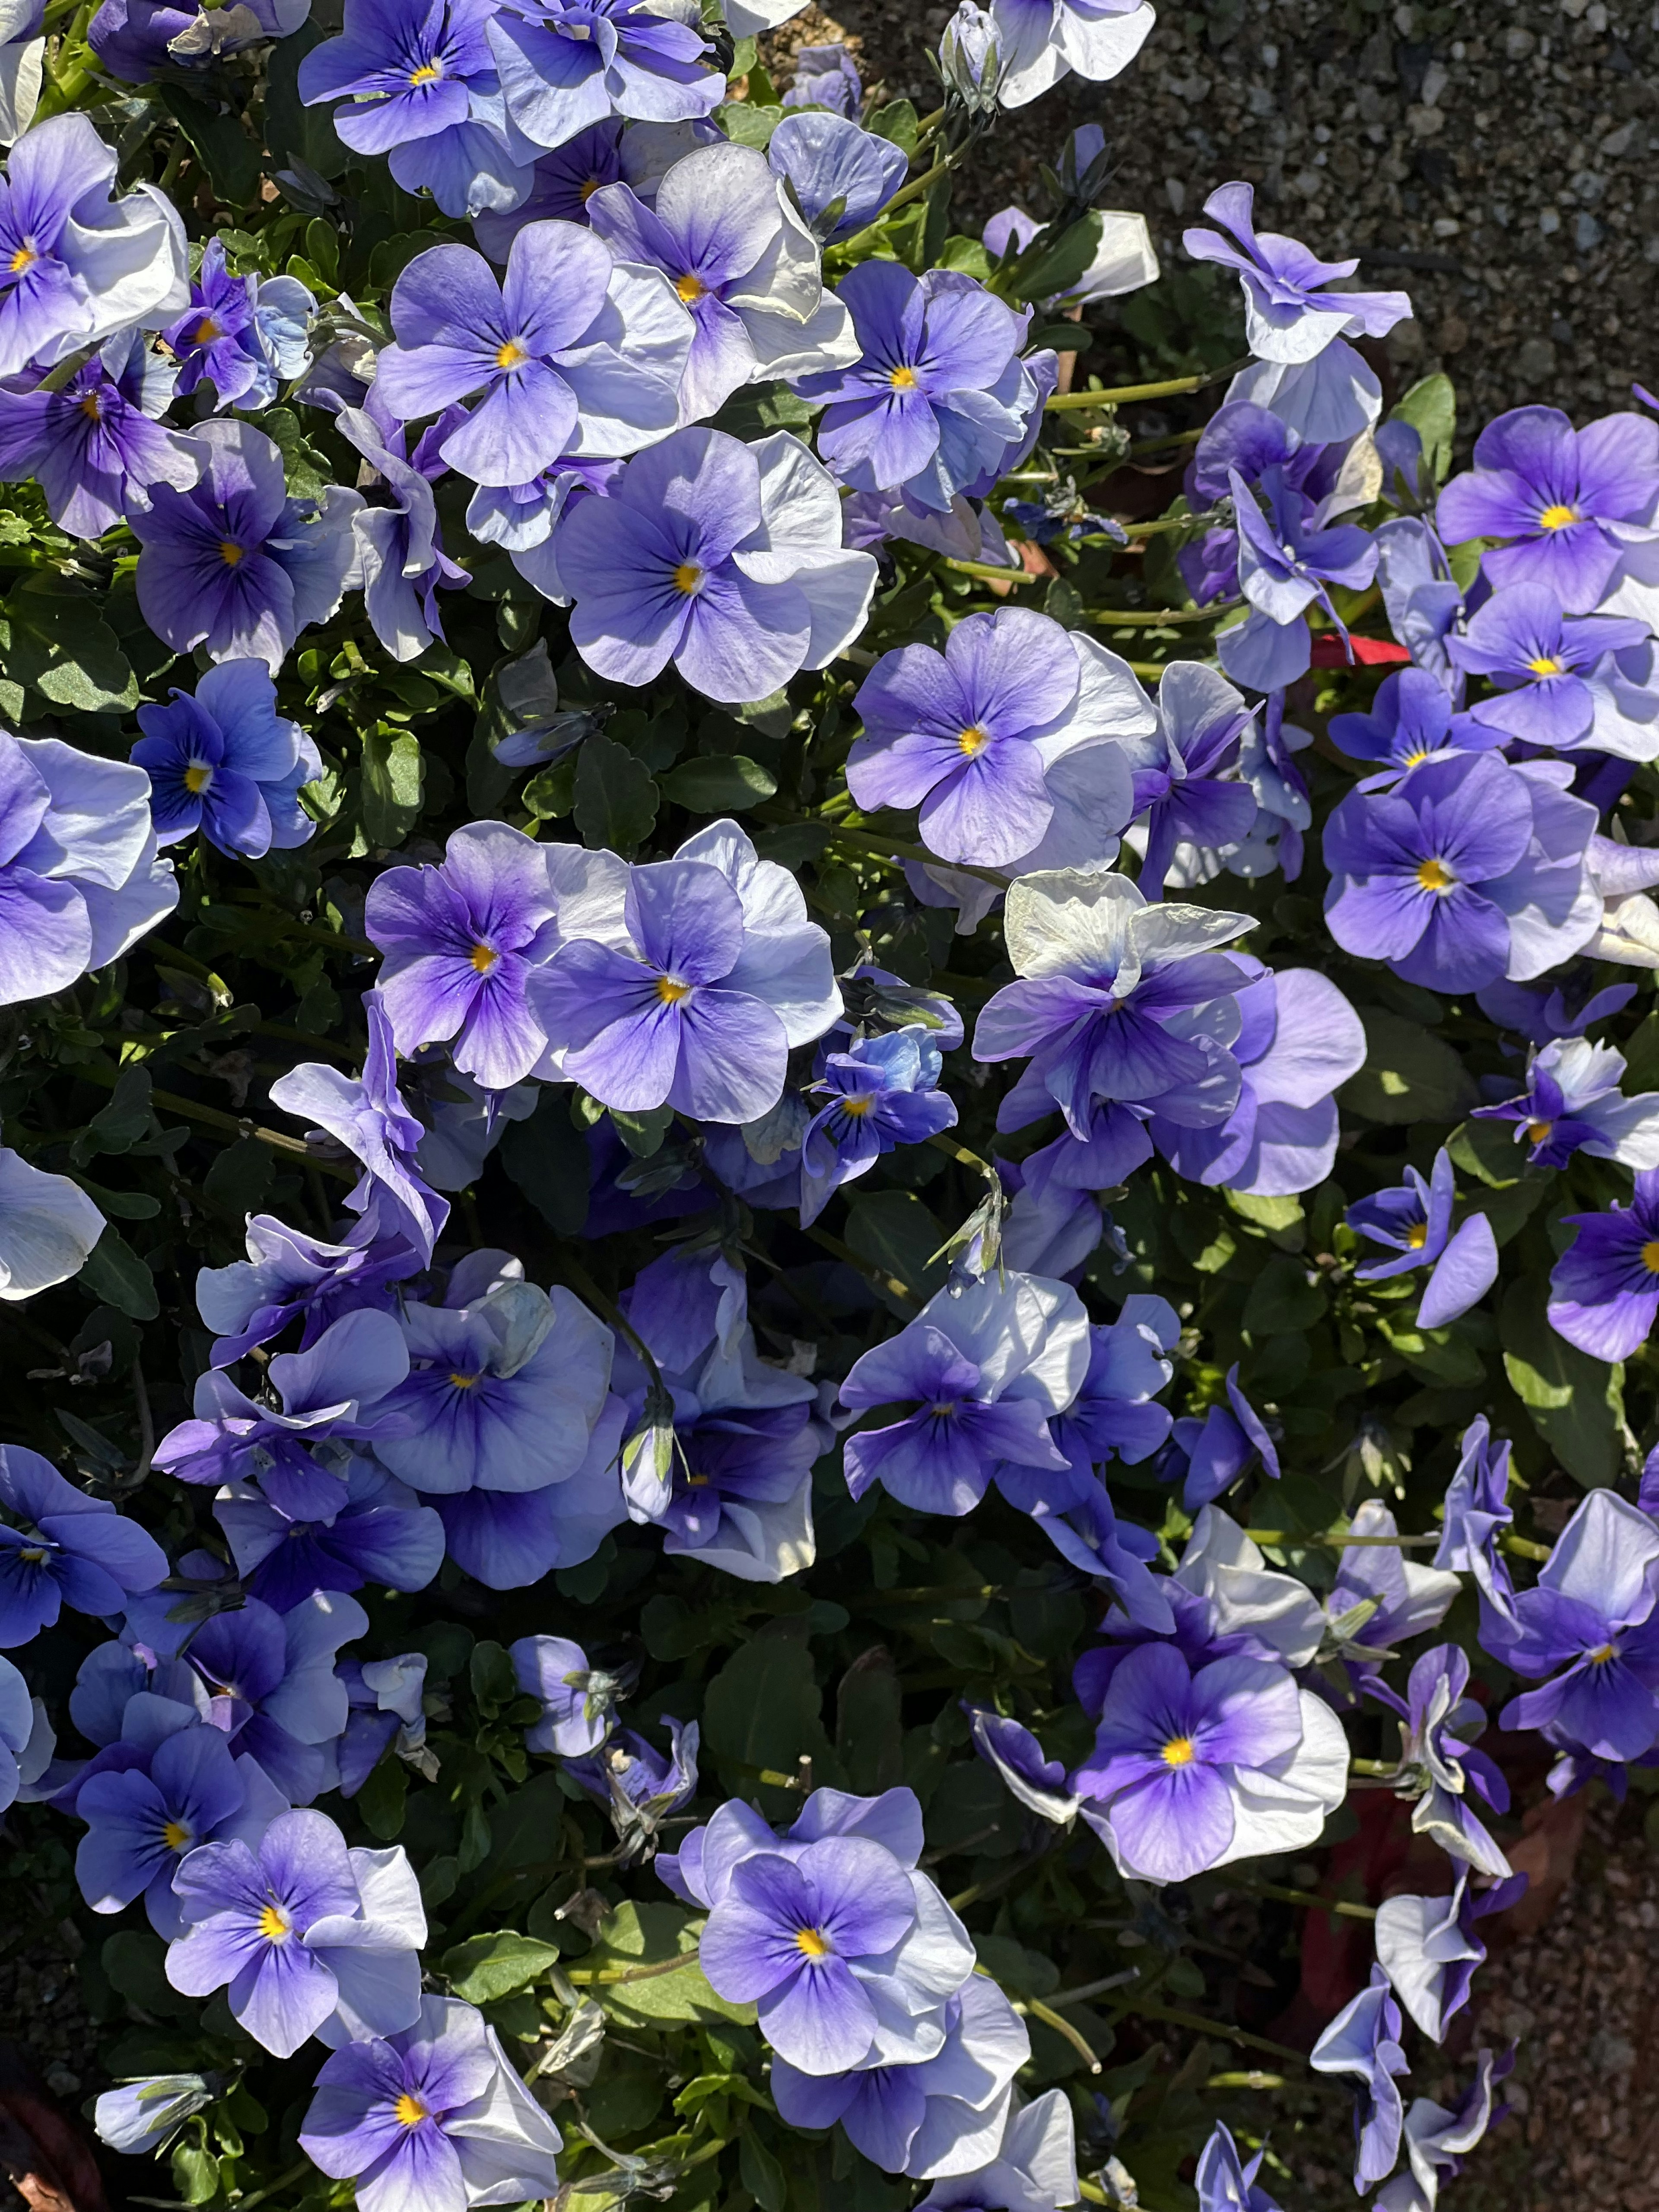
x: 1432, y: 877
x: 484, y: 958
x: 205, y: 331
x: 691, y: 289
x: 427, y: 73
x: 410, y: 2110
x: 91, y: 407
x: 585, y: 192
x: 857, y: 1108
x: 688, y: 578
x: 1650, y: 1257
x: 811, y: 1942
x: 20, y: 260
x: 35, y: 1556
x: 176, y: 1835
x: 1602, y: 1653
x: 1418, y: 1235
x: 197, y: 777
x: 1546, y: 665
x: 510, y: 355
x: 1557, y: 517
x: 1178, y: 1751
x: 974, y: 740
x: 903, y: 379
x: 698, y: 1481
x: 274, y: 1923
x: 462, y: 1382
x: 230, y: 552
x: 1539, y: 1131
x: 1416, y: 759
x: 672, y: 992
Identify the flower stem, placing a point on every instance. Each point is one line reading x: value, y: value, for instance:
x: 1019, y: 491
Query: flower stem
x: 1069, y: 402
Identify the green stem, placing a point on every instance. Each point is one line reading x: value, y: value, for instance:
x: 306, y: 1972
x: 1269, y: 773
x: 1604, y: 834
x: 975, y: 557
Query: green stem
x: 1307, y: 1896
x: 879, y: 1276
x: 1062, y: 2027
x: 895, y: 847
x: 1518, y: 1548
x: 1140, y: 2011
x: 1344, y: 1543
x: 1069, y: 402
x: 230, y: 1125
x: 282, y: 2181
x: 1384, y: 1767
x: 914, y: 190
x: 1160, y: 617
x: 991, y: 572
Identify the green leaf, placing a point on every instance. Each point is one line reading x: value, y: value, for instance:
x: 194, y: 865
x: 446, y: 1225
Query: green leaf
x: 1576, y: 1403
x: 1053, y: 264
x: 746, y: 124
x: 383, y: 1799
x: 1283, y: 1298
x: 870, y: 1724
x: 60, y: 645
x: 295, y: 132
x: 123, y: 1120
x: 134, y: 1964
x: 547, y: 1157
x: 1410, y: 1075
x: 195, y: 2174
x: 493, y: 1683
x: 486, y: 1967
x: 306, y: 470
x: 1431, y: 408
x: 760, y: 2173
x: 230, y: 157
x: 115, y: 1274
x: 635, y: 1935
x: 897, y: 121
x: 762, y: 1711
x: 239, y: 1179
x: 897, y: 1235
x: 720, y: 783
x: 617, y: 800
x: 394, y: 774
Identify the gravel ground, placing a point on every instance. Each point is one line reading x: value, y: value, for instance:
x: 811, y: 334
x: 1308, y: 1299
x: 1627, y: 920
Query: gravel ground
x: 1497, y: 162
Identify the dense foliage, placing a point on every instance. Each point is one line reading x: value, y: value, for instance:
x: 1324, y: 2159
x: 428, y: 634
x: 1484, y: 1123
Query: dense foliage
x: 778, y: 1193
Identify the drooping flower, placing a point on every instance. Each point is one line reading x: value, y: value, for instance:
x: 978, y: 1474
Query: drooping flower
x: 1470, y: 870
x: 1549, y: 669
x: 94, y: 444
x: 1429, y: 1949
x: 1290, y: 557
x: 138, y: 40
x: 726, y: 559
x: 1192, y: 1769
x: 48, y: 1226
x: 233, y: 562
x: 58, y: 1548
x: 1567, y: 503
x: 1186, y: 785
x: 402, y: 565
x: 984, y: 1371
x: 1604, y: 1289
x: 578, y: 1700
x: 687, y: 983
x: 1035, y: 1780
x: 1440, y: 1773
x: 77, y: 266
x: 1224, y: 2182
x: 244, y: 335
x: 1035, y: 2166
x: 640, y: 1788
x: 306, y: 1936
x: 289, y: 1276
x: 1363, y: 2040
x: 1042, y: 40
x: 1382, y: 1596
x: 1413, y: 1219
x: 432, y: 2119
x: 1209, y: 1456
x: 882, y: 1093
x: 1572, y: 1103
x: 725, y: 235
x: 550, y: 352
x: 840, y: 176
x: 223, y: 760
x: 1010, y: 742
x: 1478, y: 1512
x: 1438, y: 2141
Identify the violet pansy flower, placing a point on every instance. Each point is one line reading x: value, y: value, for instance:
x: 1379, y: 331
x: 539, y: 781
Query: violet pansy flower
x: 303, y: 1934
x: 376, y: 1531
x: 271, y: 1683
x: 1186, y: 787
x: 401, y: 561
x: 1289, y: 560
x: 1209, y: 1456
x: 1363, y: 2040
x: 288, y: 1276
x: 826, y: 160
x: 1604, y: 1289
x: 1438, y: 2141
x: 1478, y: 1512
x: 1413, y: 1219
x: 222, y: 761
x: 244, y: 335
x: 58, y: 1547
x: 566, y: 63
x: 564, y: 181
x: 1224, y: 2181
x: 1411, y: 720
x: 95, y: 443
x: 48, y: 1225
x: 881, y: 1093
x: 1030, y: 1777
x: 1440, y: 1773
x: 1545, y: 663
x: 1567, y: 503
x: 1041, y: 41
x: 1429, y: 1949
x: 1572, y: 1103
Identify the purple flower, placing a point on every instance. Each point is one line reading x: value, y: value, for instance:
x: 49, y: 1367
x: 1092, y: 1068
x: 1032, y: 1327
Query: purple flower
x: 48, y: 1226
x: 1429, y: 1950
x: 76, y: 267
x: 564, y: 181
x: 379, y: 1532
x: 1477, y: 1513
x: 1117, y: 1001
x: 1469, y: 870
x: 726, y: 559
x: 234, y: 563
x: 272, y: 1684
x: 224, y: 761
x: 289, y: 1276
x: 940, y: 397
x: 1604, y: 1289
x: 1534, y: 655
x: 1291, y: 313
x: 1413, y: 1219
x: 1179, y: 767
x: 1029, y: 1775
x: 826, y: 76
x: 881, y: 1093
x: 985, y: 1370
x: 687, y: 983
x: 243, y: 334
x: 842, y: 176
x: 306, y: 1936
x: 503, y: 1395
x: 460, y: 941
x: 1381, y: 1596
x: 638, y: 1787
x: 944, y: 2114
x: 1289, y: 558
x: 1224, y: 2181
x: 1567, y: 502
x: 1034, y: 2168
x: 1363, y: 2040
x: 366, y: 1114
x: 1301, y: 1040
x: 1007, y: 742
x: 138, y: 40
x: 1042, y: 40
x: 723, y: 233
x: 1186, y: 1762
x: 387, y: 1711
x: 1590, y: 1615
x: 141, y: 2115
x: 58, y: 1548
x: 578, y: 1701
x: 509, y: 1539
x: 94, y: 444
x: 1438, y: 2141
x: 80, y: 881
x: 550, y: 351
x: 1209, y: 1456
x: 1424, y: 601
x: 1411, y: 721
x: 401, y: 561
x: 431, y: 2120
x: 339, y: 1389
x: 1572, y: 1102
x: 182, y: 1787
x: 1439, y: 1773
x: 566, y: 63
x: 1112, y: 1415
